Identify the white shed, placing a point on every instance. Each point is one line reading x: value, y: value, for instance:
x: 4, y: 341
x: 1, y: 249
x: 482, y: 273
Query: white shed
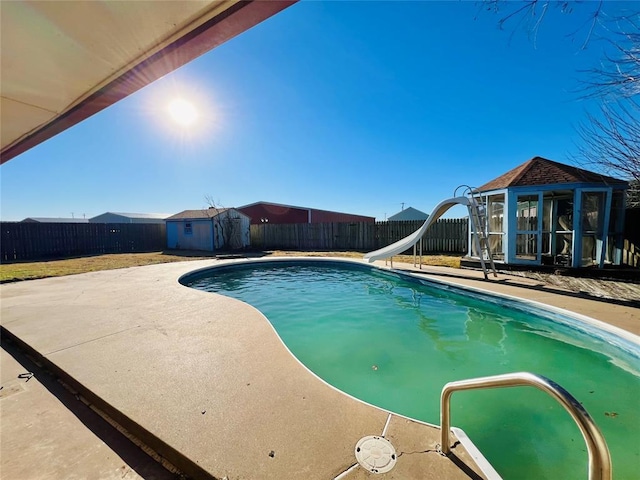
x: 209, y: 229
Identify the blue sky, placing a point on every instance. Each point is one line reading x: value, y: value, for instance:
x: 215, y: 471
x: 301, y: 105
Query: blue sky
x: 349, y: 106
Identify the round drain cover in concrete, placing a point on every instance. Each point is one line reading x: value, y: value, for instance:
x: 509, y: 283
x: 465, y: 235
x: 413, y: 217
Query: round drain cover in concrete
x: 376, y: 454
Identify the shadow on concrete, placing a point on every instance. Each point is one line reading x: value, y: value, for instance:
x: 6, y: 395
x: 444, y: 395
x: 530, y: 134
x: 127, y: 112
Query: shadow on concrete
x: 131, y: 454
x: 540, y: 287
x: 464, y: 467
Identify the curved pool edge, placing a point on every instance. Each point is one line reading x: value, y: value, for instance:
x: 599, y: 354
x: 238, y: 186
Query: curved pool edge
x: 589, y: 325
x: 586, y: 323
x: 628, y: 341
x: 599, y: 324
x: 177, y: 363
x: 475, y: 453
x: 467, y: 443
x: 232, y: 264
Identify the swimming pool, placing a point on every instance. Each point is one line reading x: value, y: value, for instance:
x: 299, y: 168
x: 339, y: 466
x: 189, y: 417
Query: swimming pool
x: 394, y: 341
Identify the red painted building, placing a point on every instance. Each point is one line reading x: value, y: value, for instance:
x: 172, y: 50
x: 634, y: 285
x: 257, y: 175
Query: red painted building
x: 277, y: 213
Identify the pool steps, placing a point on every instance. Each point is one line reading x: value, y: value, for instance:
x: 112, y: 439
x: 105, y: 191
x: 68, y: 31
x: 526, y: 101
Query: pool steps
x: 599, y: 456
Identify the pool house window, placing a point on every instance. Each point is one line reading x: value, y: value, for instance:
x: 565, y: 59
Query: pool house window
x: 495, y: 224
x: 575, y: 219
x: 527, y: 226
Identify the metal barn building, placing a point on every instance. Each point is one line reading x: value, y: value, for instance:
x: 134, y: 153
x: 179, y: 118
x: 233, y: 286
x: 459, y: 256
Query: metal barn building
x: 55, y: 220
x: 276, y: 213
x: 116, y: 217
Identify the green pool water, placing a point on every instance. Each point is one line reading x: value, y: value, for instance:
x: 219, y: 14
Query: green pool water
x: 394, y: 342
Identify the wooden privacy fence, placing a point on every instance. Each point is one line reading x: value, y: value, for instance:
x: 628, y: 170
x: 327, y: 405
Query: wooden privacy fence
x: 445, y: 236
x: 34, y: 241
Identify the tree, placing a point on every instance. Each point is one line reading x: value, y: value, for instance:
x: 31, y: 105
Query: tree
x: 225, y: 221
x: 609, y: 141
x: 612, y: 142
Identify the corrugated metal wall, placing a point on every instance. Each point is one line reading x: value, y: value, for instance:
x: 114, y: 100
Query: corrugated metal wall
x: 275, y: 213
x: 115, y: 218
x: 325, y: 216
x: 283, y: 214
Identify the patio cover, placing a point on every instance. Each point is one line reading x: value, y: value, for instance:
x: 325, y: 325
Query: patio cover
x: 64, y: 61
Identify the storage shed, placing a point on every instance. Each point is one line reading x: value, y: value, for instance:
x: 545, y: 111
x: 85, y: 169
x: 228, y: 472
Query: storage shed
x: 547, y: 213
x: 209, y: 229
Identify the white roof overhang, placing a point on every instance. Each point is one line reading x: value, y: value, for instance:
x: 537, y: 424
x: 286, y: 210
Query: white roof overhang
x: 64, y: 61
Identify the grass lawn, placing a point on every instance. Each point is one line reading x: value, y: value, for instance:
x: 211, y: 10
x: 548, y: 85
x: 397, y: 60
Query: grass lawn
x: 432, y: 260
x: 12, y: 272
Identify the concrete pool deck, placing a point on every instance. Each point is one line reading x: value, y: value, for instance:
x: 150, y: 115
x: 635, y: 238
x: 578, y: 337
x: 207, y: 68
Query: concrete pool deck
x: 204, y: 381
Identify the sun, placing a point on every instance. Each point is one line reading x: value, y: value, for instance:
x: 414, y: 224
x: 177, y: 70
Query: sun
x: 183, y: 112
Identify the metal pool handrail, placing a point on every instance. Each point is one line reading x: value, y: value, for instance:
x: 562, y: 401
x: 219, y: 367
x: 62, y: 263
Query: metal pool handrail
x: 599, y: 457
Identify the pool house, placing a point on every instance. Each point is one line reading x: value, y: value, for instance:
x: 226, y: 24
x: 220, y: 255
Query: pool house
x: 547, y: 213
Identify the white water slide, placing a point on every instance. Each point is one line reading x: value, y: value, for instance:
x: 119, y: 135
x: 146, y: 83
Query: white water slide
x: 408, y: 242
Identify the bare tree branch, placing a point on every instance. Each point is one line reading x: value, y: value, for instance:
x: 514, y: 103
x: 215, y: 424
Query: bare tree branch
x: 611, y: 142
x: 610, y: 139
x: 538, y: 23
x: 619, y: 73
x: 525, y: 13
x: 225, y: 221
x: 593, y: 21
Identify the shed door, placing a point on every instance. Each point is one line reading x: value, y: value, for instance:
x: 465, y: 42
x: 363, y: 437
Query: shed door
x: 172, y: 234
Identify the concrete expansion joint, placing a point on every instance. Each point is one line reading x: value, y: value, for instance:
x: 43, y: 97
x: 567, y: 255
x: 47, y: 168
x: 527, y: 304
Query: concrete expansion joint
x: 93, y: 340
x: 123, y: 431
x: 386, y: 425
x: 139, y: 443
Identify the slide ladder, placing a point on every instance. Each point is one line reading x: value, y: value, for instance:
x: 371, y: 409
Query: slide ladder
x: 477, y: 212
x: 472, y: 199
